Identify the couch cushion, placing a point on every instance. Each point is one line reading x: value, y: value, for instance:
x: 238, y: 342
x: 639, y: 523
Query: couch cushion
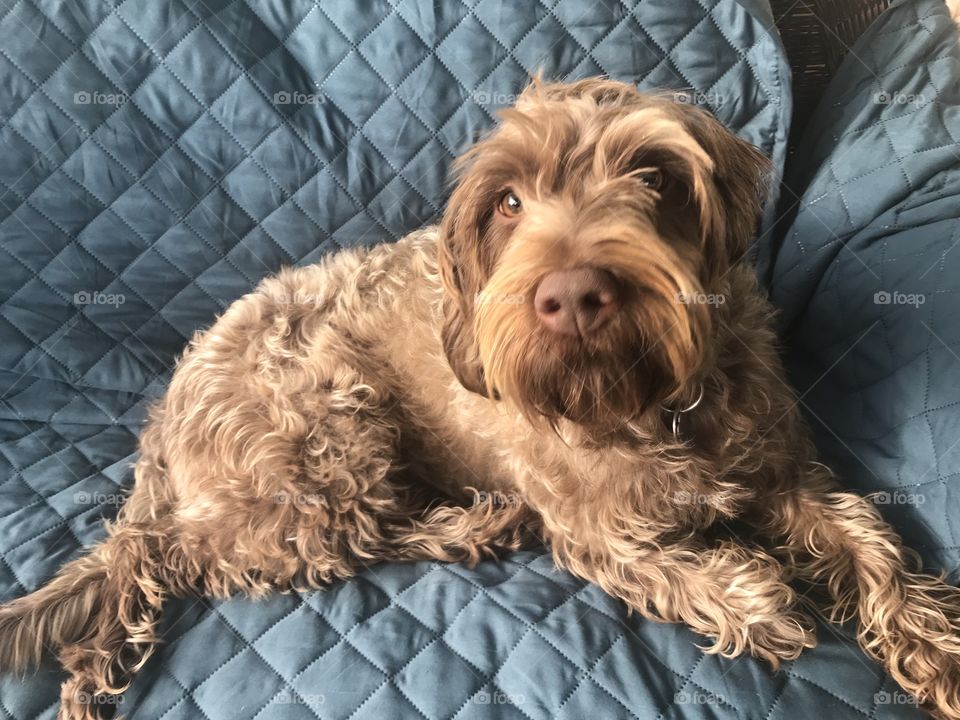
x: 868, y: 275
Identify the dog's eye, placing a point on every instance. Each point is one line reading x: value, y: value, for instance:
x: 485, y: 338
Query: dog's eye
x: 510, y: 204
x: 651, y: 178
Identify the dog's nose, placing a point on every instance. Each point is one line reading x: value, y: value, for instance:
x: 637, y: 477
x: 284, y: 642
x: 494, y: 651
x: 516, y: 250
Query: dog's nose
x: 576, y: 302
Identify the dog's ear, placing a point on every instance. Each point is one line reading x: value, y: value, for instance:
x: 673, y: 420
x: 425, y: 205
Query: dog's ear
x: 741, y: 175
x: 460, y: 269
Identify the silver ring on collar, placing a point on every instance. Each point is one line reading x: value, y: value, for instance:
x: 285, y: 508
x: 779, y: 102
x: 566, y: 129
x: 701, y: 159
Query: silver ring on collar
x: 677, y: 413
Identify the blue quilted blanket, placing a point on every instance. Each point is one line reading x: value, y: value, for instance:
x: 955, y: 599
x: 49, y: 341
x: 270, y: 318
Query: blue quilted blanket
x: 868, y: 275
x: 161, y: 156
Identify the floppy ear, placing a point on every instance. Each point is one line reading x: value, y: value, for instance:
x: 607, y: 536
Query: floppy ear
x: 741, y: 176
x: 460, y: 274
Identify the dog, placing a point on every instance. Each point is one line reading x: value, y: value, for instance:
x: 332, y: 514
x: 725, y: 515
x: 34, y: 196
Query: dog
x: 545, y: 365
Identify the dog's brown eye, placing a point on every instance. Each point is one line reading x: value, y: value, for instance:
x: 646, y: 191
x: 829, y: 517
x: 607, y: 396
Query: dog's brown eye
x: 652, y: 179
x: 510, y: 204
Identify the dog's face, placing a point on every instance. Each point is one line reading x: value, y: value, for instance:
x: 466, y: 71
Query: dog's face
x: 577, y: 233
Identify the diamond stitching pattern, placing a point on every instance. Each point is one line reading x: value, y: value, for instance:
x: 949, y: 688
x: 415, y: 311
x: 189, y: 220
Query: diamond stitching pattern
x: 210, y: 205
x: 878, y: 212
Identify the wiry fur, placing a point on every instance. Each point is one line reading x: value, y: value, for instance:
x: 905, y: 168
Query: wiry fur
x: 403, y: 402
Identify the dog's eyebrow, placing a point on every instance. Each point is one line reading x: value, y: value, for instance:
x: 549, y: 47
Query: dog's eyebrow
x: 648, y: 128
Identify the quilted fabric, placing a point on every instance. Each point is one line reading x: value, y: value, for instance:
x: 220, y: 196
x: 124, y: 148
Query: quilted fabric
x: 869, y: 273
x: 160, y: 158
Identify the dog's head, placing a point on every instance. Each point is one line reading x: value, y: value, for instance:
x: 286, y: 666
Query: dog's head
x: 577, y: 235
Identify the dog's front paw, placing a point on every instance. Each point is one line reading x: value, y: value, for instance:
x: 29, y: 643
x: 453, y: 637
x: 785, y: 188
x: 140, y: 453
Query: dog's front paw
x: 782, y: 637
x: 772, y: 638
x: 932, y: 679
x: 925, y: 662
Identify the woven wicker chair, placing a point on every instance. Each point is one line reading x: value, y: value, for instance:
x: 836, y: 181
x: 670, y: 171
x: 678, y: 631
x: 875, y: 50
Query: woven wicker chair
x: 817, y: 35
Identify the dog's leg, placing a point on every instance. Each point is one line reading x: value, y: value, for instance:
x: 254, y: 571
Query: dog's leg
x: 728, y: 592
x: 138, y: 573
x: 271, y: 463
x: 454, y: 533
x: 99, y: 613
x: 908, y: 621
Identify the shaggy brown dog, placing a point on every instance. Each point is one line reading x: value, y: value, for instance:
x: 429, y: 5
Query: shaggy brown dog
x: 586, y: 288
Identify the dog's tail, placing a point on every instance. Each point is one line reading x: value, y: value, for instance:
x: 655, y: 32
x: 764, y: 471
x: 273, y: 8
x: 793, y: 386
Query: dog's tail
x: 109, y: 600
x: 61, y: 613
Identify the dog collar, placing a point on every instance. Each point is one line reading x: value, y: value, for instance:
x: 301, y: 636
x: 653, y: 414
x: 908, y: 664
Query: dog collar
x: 677, y: 413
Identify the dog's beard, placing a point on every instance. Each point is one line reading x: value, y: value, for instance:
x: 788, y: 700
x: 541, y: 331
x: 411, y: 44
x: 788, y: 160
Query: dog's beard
x: 642, y: 357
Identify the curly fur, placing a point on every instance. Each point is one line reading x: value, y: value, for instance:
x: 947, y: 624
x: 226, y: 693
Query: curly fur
x: 403, y: 402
